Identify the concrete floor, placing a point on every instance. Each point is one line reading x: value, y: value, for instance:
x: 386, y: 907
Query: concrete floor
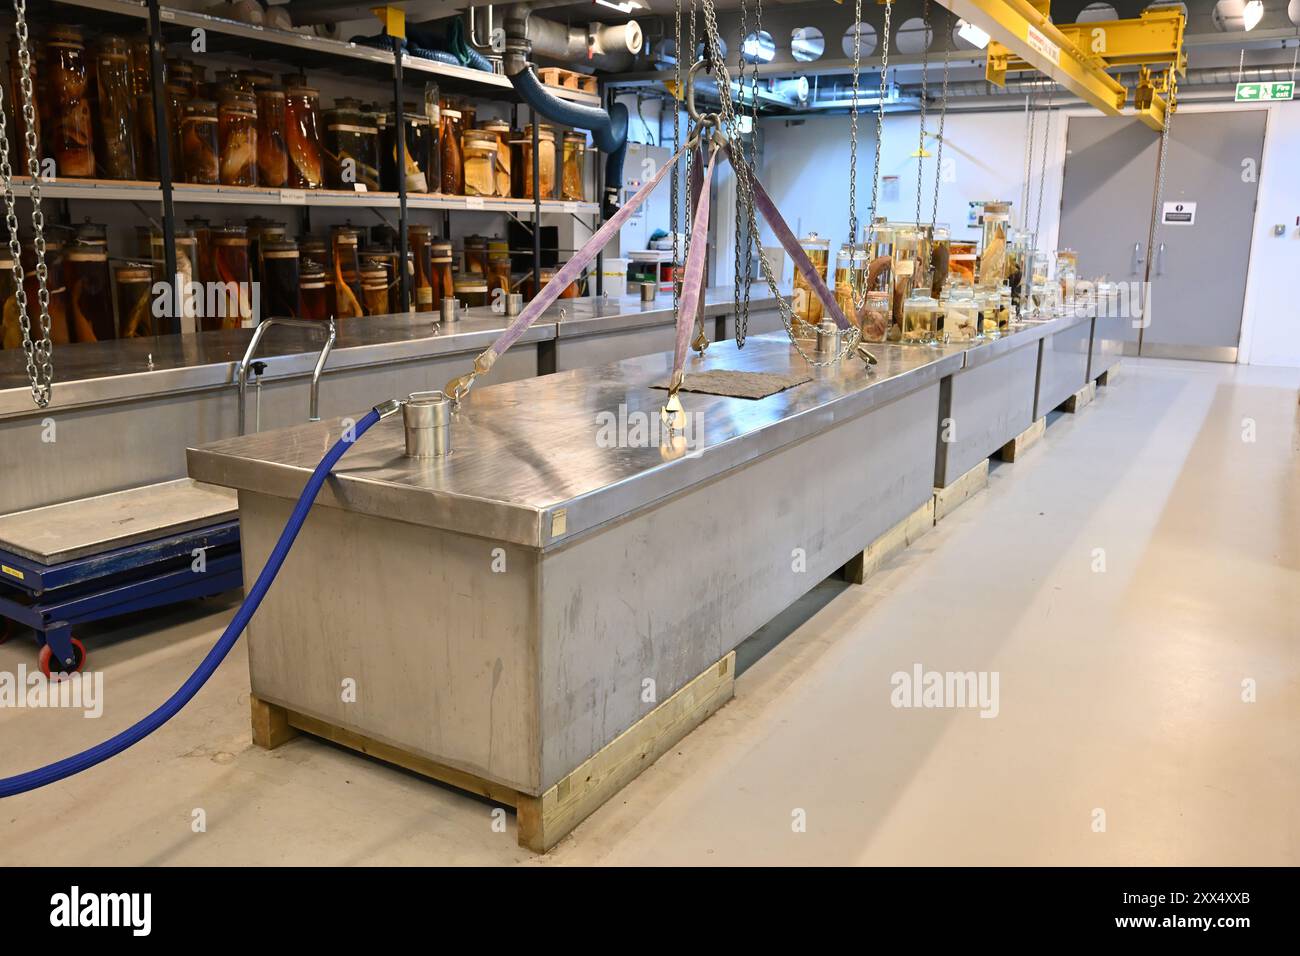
x: 1120, y: 692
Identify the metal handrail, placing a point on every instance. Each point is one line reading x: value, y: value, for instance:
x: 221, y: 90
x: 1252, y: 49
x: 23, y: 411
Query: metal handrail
x: 247, y: 360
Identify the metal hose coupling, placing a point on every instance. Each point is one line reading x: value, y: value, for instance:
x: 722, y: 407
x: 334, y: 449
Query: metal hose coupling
x: 427, y: 419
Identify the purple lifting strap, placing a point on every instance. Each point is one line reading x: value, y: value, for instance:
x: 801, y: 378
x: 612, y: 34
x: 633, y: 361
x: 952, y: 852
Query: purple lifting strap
x: 692, y: 278
x: 763, y: 202
x: 573, y: 268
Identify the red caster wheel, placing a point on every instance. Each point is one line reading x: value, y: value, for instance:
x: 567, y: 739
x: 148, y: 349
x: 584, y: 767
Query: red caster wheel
x: 47, y: 656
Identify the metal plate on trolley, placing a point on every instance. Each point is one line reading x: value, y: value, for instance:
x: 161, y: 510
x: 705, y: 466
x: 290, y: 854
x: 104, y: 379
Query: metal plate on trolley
x: 76, y: 529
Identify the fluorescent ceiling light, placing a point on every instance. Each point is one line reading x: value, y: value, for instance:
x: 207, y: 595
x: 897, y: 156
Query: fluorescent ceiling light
x: 627, y: 7
x: 973, y: 34
x: 1252, y: 14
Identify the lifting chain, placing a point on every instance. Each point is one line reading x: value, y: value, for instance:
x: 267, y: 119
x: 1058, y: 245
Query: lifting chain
x: 40, y: 364
x: 676, y: 185
x: 728, y: 127
x: 925, y: 74
x: 943, y: 116
x: 1027, y: 279
x: 853, y: 127
x: 860, y: 294
x: 1156, y: 199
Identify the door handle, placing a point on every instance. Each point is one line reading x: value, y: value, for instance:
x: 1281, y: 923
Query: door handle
x: 1160, y: 260
x: 1136, y: 259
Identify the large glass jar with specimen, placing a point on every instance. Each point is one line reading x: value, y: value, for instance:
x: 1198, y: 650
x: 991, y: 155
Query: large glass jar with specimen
x: 116, y: 157
x: 233, y: 288
x: 302, y: 134
x: 501, y: 129
x: 441, y: 276
x: 238, y: 135
x: 134, y: 284
x: 994, y: 252
x: 850, y: 279
x: 314, y: 291
x: 73, y: 137
x: 574, y: 164
x: 200, y: 143
x: 272, y: 151
x: 922, y: 319
x: 545, y: 161
x: 15, y: 97
x: 479, y: 150
x: 351, y: 142
x: 280, y: 278
x: 452, y: 159
x: 806, y: 304
x: 419, y: 243
x: 347, y: 272
x: 90, y: 297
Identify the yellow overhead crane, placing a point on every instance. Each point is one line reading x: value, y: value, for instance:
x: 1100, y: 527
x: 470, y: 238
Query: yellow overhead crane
x: 1077, y: 55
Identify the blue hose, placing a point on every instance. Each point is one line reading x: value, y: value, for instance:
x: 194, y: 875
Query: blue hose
x: 11, y: 786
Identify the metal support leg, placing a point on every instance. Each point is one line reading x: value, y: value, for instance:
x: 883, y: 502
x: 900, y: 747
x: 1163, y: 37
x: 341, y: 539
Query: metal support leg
x: 172, y: 324
x: 399, y: 111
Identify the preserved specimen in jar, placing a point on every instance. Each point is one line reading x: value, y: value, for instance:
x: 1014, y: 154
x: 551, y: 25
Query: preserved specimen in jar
x: 272, y: 154
x: 233, y: 298
x: 347, y: 273
x: 374, y: 290
x: 116, y: 130
x: 134, y: 283
x: 806, y: 305
x: 200, y: 144
x: 545, y: 161
x: 479, y: 152
x: 72, y: 137
x: 146, y: 152
x: 280, y: 279
x: 441, y: 277
x: 452, y: 160
x: 351, y: 143
x: 313, y: 288
x: 418, y: 241
x: 572, y: 187
x: 238, y: 135
x: 302, y: 131
x: 90, y: 299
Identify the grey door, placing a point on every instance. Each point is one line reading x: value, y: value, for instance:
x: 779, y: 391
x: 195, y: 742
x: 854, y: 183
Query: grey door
x: 1198, y: 274
x: 1110, y: 167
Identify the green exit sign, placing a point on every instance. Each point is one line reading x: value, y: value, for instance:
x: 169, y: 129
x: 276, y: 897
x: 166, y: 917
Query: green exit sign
x: 1262, y: 92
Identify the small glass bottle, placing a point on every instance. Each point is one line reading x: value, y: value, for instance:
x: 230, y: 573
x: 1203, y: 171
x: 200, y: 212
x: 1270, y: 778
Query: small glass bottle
x: 452, y: 159
x: 116, y: 158
x: 418, y: 240
x: 73, y: 136
x: 313, y: 288
x: 280, y: 279
x: 134, y: 283
x: 347, y: 273
x: 200, y: 143
x: 572, y: 182
x: 272, y: 154
x: 238, y: 136
x: 302, y: 134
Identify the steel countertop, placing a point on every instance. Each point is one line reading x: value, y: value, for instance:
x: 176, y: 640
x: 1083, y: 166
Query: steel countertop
x: 524, y: 451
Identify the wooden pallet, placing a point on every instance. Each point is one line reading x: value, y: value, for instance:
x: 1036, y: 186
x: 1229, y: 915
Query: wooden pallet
x: 949, y: 499
x: 545, y: 819
x: 1081, y: 398
x: 1013, y: 449
x: 867, y: 562
x: 568, y: 79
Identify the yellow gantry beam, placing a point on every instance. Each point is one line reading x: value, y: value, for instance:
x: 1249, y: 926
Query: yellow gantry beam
x: 1022, y: 37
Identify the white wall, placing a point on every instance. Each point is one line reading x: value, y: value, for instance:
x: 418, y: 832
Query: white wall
x: 1270, y: 329
x: 805, y: 169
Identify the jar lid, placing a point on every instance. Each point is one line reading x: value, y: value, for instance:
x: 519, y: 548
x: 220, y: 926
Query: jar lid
x: 485, y: 136
x: 812, y: 239
x: 134, y: 272
x: 451, y: 114
x: 65, y: 34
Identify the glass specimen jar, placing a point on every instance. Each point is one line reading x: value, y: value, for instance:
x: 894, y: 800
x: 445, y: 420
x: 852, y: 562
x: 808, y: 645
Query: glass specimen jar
x: 501, y: 129
x: 850, y: 279
x: 347, y: 273
x: 419, y: 243
x: 574, y: 164
x: 374, y: 290
x: 15, y: 104
x: 880, y: 274
x: 313, y: 289
x: 11, y: 333
x: 73, y: 137
x: 200, y: 143
x: 433, y: 113
x: 280, y: 279
x: 58, y: 289
x: 116, y: 157
x: 302, y: 135
x: 874, y: 317
x: 479, y: 153
x: 177, y: 95
x: 806, y: 305
x: 961, y: 261
x: 351, y: 141
x: 441, y: 277
x: 994, y: 228
x: 416, y: 129
x: 921, y: 319
x: 201, y: 230
x: 90, y: 298
x: 238, y: 138
x: 451, y: 158
x: 150, y: 243
x: 499, y: 276
x: 960, y: 312
x: 230, y: 306
x: 545, y: 162
x: 940, y: 238
x: 272, y: 153
x: 476, y: 255
x: 472, y: 291
x: 134, y: 284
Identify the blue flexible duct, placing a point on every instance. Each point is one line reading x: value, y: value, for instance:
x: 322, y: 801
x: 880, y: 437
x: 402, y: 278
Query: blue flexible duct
x: 10, y: 786
x: 608, y: 130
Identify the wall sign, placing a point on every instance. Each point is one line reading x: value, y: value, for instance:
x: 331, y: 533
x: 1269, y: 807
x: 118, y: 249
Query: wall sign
x: 1178, y: 214
x: 1264, y: 92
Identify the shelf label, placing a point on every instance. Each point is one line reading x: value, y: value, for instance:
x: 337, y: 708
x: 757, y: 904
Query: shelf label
x: 359, y: 187
x: 473, y: 202
x: 293, y: 197
x: 1178, y: 214
x: 166, y: 14
x: 570, y: 207
x: 1265, y: 92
